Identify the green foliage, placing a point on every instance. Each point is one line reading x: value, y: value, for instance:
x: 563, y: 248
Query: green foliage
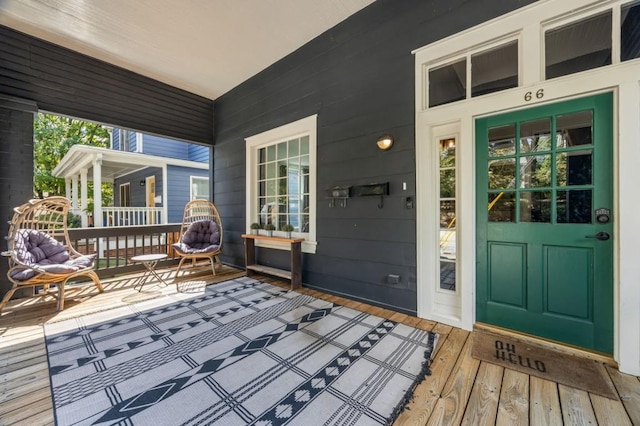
x: 74, y: 221
x: 287, y: 227
x: 269, y: 227
x: 54, y: 135
x: 255, y: 225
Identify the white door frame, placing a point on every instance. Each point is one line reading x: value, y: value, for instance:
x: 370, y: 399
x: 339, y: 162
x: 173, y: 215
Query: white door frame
x: 623, y: 79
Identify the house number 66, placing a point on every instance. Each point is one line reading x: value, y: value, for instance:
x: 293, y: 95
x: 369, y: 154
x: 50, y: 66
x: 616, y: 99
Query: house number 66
x: 529, y: 95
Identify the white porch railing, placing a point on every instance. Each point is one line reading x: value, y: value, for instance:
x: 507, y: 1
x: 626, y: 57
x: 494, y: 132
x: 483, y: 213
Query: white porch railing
x: 127, y: 216
x: 130, y: 216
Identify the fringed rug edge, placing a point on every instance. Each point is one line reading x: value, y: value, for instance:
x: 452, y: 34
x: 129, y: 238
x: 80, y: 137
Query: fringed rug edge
x: 425, y: 371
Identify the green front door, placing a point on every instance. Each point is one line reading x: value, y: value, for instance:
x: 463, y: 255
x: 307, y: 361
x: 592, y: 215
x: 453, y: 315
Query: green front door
x: 544, y: 221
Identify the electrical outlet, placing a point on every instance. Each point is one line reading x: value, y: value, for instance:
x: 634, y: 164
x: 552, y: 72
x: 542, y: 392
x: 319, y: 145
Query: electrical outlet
x: 393, y: 279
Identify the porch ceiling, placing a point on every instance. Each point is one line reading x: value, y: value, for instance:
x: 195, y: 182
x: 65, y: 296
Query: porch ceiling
x: 204, y: 46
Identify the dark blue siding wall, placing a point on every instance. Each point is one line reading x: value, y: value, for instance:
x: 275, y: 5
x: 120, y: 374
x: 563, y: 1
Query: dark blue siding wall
x: 133, y: 141
x: 199, y: 153
x: 154, y: 145
x: 178, y: 181
x: 359, y: 78
x: 115, y: 139
x: 138, y: 193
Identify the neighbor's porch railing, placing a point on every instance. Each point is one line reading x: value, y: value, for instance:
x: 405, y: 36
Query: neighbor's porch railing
x: 131, y: 216
x: 128, y: 216
x: 116, y: 245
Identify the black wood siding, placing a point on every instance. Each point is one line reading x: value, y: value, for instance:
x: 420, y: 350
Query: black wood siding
x: 65, y: 82
x: 359, y: 78
x: 16, y: 166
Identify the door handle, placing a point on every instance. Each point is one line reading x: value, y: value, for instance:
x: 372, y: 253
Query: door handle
x: 602, y: 236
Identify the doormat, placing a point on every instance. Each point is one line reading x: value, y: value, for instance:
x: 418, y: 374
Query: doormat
x: 243, y: 352
x: 544, y: 362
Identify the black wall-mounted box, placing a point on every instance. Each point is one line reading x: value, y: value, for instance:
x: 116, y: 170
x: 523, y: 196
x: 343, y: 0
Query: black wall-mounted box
x: 370, y: 189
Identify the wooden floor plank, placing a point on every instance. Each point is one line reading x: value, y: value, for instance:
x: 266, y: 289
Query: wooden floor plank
x: 628, y: 388
x: 482, y: 407
x: 576, y: 407
x: 544, y: 402
x: 609, y: 411
x: 514, y: 399
x: 450, y: 407
x: 459, y: 389
x: 428, y: 392
x: 42, y: 394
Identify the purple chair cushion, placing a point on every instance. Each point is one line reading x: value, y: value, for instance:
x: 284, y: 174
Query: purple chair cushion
x: 36, y: 247
x: 45, y: 254
x: 202, y: 236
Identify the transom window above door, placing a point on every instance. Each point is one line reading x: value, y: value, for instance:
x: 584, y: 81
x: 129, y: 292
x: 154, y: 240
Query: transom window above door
x: 491, y: 70
x: 552, y: 44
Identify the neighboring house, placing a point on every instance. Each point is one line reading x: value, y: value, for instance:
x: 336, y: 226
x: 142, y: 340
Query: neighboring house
x: 512, y: 198
x: 142, y: 168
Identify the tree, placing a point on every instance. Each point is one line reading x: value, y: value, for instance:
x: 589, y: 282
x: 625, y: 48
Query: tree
x: 54, y: 135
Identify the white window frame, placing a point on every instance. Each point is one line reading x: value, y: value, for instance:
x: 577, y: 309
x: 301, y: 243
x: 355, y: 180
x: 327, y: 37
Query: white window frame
x: 304, y: 127
x: 191, y: 180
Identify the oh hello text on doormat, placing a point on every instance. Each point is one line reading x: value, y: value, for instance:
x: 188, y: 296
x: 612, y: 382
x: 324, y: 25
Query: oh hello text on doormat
x: 507, y: 352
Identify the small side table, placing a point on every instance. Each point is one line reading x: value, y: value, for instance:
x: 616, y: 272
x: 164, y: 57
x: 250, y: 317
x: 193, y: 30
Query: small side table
x: 295, y: 275
x: 149, y: 261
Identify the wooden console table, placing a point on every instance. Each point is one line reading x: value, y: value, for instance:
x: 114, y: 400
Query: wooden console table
x: 295, y: 275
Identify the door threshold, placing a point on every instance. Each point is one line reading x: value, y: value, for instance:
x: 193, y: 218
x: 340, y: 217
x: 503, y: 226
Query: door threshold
x: 551, y: 344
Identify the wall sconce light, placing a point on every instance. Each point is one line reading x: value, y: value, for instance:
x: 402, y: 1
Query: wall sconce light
x: 385, y: 142
x: 142, y: 182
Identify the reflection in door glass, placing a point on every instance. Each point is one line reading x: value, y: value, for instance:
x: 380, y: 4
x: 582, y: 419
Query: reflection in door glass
x: 535, y: 171
x: 448, y: 83
x: 494, y: 69
x: 502, y: 173
x: 629, y: 35
x: 502, y: 207
x: 447, y: 183
x: 502, y: 140
x: 535, y: 206
x: 448, y: 276
x: 448, y: 236
x: 578, y: 46
x: 574, y: 129
x: 535, y: 136
x: 574, y: 206
x: 574, y: 168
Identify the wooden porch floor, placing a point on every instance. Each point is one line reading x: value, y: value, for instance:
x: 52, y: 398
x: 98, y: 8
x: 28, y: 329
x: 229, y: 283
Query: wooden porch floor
x: 460, y: 390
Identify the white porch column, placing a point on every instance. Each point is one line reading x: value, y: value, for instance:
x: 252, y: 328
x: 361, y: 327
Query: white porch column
x: 74, y: 192
x: 97, y: 191
x: 67, y: 189
x: 83, y: 195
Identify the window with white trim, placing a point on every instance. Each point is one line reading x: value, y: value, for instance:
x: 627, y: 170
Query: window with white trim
x: 281, y: 173
x: 199, y: 188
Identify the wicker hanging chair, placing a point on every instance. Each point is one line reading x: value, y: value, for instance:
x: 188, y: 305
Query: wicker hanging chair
x: 200, y: 234
x: 39, y: 251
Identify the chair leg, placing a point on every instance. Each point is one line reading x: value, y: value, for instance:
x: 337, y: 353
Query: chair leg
x: 213, y: 264
x: 61, y: 295
x: 7, y: 297
x: 96, y: 280
x: 180, y: 266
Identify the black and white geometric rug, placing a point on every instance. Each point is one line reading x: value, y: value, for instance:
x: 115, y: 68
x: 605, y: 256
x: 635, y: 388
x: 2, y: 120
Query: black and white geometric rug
x: 244, y: 352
